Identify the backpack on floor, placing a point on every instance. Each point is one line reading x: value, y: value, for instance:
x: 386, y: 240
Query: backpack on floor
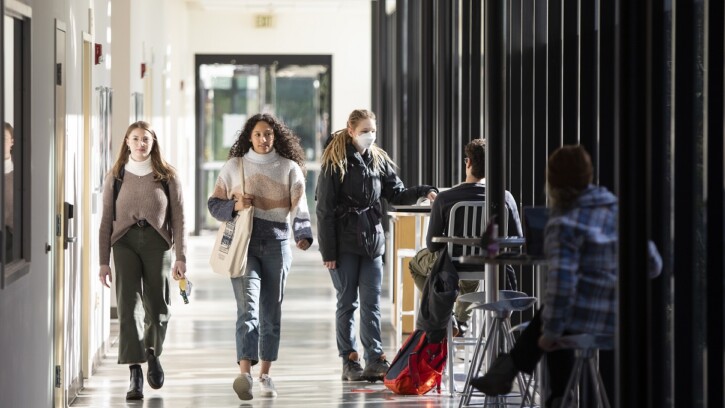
x: 418, y: 366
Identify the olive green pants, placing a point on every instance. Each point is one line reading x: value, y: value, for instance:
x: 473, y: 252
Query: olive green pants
x: 420, y: 268
x: 142, y: 293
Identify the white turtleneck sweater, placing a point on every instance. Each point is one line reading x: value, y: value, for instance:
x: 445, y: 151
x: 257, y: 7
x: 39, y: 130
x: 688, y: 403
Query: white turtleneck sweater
x: 278, y: 187
x: 139, y: 168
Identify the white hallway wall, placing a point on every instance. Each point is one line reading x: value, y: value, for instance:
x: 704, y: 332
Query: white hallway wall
x: 341, y: 30
x: 26, y: 310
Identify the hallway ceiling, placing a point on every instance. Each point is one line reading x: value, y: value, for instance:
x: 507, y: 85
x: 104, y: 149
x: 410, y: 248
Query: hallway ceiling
x: 270, y: 6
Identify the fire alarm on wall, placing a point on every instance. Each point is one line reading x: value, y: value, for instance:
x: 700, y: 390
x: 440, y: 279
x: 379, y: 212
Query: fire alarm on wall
x: 98, y: 53
x: 143, y: 69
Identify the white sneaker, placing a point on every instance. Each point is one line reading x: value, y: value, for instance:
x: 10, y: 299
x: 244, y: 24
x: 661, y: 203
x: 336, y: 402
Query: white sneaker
x: 267, y: 386
x: 243, y: 386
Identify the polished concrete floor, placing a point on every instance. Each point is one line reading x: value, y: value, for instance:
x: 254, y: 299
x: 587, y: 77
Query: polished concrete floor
x: 200, y: 350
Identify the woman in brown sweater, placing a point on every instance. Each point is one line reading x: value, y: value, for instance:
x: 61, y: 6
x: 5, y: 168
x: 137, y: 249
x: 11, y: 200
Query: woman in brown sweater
x: 143, y: 217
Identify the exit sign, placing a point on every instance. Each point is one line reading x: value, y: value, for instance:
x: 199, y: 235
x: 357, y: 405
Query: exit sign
x: 263, y: 20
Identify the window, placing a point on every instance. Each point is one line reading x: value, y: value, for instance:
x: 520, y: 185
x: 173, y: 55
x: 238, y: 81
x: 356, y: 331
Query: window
x: 15, y: 191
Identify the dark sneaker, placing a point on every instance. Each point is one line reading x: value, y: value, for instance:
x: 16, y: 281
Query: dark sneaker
x: 243, y: 386
x: 500, y: 377
x: 376, y: 370
x: 135, y: 388
x: 155, y: 375
x: 351, y: 369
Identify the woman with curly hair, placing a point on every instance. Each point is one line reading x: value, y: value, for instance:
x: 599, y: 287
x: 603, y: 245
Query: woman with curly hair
x: 274, y: 184
x: 356, y: 174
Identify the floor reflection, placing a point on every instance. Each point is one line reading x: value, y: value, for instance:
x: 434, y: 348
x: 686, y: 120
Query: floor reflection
x: 200, y: 350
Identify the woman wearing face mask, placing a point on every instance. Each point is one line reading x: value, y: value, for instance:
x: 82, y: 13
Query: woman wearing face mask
x: 355, y: 175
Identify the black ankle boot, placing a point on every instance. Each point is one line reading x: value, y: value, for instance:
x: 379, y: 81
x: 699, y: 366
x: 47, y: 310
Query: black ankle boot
x: 155, y: 373
x: 500, y: 377
x: 135, y: 388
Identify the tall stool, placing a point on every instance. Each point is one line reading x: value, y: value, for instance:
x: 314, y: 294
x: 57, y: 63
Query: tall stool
x: 531, y: 384
x: 499, y: 338
x: 400, y: 254
x: 585, y: 348
x: 474, y: 298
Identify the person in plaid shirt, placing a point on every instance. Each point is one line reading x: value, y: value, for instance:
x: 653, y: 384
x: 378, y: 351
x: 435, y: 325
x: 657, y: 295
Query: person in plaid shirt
x: 581, y: 253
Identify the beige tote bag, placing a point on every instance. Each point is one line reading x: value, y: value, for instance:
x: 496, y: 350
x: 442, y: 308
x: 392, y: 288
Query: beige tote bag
x: 229, y: 256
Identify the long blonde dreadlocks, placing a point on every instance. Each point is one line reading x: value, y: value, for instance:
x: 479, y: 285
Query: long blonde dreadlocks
x: 335, y: 154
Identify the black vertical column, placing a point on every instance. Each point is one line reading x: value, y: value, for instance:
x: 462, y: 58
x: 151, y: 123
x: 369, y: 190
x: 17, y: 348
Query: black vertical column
x: 660, y: 346
x: 405, y: 146
x: 570, y: 69
x: 444, y: 130
x: 416, y: 137
x: 688, y: 268
x: 631, y: 101
x: 427, y: 92
x: 540, y: 153
x: 606, y: 152
x: 515, y: 98
x: 476, y: 130
x: 377, y: 12
x: 526, y: 194
x: 589, y: 82
x: 495, y: 106
x: 554, y: 87
x: 715, y: 206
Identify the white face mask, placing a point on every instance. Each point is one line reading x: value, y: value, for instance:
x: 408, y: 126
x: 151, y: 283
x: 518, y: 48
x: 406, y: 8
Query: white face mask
x: 365, y: 140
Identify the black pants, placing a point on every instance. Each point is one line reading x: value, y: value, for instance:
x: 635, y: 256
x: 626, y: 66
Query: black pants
x: 526, y: 355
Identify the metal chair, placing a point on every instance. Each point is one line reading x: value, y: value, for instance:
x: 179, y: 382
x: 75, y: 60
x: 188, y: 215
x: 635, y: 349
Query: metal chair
x: 466, y: 219
x: 471, y: 216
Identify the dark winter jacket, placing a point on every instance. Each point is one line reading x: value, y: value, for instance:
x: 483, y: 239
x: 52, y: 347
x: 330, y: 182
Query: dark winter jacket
x: 349, y: 212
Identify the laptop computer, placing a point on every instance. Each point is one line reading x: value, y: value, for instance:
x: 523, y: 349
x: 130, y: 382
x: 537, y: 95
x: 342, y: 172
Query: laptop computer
x: 535, y: 219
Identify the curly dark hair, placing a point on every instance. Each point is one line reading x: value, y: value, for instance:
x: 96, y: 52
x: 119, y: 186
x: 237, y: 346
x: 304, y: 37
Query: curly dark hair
x: 286, y: 143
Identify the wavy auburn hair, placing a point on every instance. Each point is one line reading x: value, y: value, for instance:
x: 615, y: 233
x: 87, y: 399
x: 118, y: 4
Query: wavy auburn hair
x: 568, y: 173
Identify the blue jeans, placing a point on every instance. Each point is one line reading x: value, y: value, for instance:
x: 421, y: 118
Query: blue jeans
x: 358, y: 273
x: 259, y: 296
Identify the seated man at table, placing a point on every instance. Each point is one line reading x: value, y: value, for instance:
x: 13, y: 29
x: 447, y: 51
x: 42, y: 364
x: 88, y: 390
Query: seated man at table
x: 581, y: 252
x: 472, y: 189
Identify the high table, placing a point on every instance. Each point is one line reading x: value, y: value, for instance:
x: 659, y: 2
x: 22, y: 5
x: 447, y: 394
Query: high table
x: 394, y: 257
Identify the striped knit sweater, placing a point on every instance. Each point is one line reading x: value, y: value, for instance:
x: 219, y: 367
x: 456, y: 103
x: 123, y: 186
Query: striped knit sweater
x: 141, y: 198
x: 278, y: 187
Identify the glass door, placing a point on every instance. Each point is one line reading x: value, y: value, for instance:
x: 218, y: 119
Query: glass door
x: 231, y: 88
x: 229, y: 94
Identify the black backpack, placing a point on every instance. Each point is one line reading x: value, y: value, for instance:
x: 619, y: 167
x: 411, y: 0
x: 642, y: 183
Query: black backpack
x: 439, y: 295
